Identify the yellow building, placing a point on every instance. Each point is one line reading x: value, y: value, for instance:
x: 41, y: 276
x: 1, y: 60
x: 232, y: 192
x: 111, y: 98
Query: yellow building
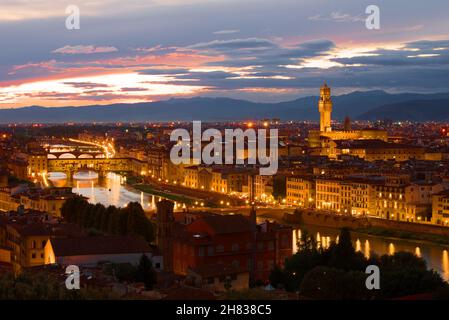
x: 320, y: 139
x: 216, y: 179
x: 37, y: 164
x: 263, y: 187
x: 219, y: 182
x: 391, y: 203
x: 300, y: 191
x: 48, y: 200
x: 328, y: 194
x: 375, y: 150
x: 440, y: 208
x: 325, y: 109
x: 8, y: 202
x: 5, y: 254
x: 191, y: 177
x: 347, y: 196
x: 363, y: 196
x: 27, y: 243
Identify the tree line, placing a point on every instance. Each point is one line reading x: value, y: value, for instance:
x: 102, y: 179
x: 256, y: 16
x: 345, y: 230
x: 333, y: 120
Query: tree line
x: 130, y: 220
x: 339, y: 273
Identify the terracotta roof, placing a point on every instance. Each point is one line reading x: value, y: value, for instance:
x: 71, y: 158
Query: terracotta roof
x: 46, y: 229
x: 217, y: 270
x: 99, y: 245
x: 222, y: 224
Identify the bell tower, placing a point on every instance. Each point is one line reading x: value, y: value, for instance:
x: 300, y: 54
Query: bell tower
x: 325, y: 108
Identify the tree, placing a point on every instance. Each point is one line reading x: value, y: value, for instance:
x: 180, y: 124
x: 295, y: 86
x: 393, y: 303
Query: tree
x: 343, y: 255
x: 145, y: 272
x: 307, y: 257
x: 324, y: 283
x: 113, y: 220
x: 44, y: 286
x: 405, y: 274
x: 278, y: 277
x: 324, y: 273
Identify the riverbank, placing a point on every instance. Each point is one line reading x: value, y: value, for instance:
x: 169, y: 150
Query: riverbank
x: 151, y: 190
x: 404, y: 235
x: 361, y: 226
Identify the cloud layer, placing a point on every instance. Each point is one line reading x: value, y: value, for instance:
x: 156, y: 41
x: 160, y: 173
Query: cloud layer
x: 262, y: 51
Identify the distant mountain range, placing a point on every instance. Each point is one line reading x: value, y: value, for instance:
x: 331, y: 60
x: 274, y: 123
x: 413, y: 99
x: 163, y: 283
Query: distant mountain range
x: 414, y: 110
x: 367, y: 105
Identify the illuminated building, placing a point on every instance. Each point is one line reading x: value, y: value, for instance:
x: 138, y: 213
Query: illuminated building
x: 37, y: 164
x: 48, y: 200
x: 321, y: 138
x: 300, y: 191
x: 440, y: 208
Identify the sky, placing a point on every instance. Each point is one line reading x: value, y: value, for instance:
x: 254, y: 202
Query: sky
x: 259, y: 50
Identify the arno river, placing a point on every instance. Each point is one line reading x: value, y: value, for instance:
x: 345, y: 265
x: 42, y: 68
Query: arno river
x: 109, y: 191
x: 112, y: 191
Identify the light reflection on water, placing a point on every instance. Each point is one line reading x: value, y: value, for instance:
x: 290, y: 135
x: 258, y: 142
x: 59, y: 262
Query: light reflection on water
x: 436, y: 256
x: 107, y: 191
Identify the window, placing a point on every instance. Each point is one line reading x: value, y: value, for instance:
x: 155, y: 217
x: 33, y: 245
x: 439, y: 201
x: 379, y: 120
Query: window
x: 201, y: 251
x: 33, y: 256
x: 219, y: 248
x: 235, y: 247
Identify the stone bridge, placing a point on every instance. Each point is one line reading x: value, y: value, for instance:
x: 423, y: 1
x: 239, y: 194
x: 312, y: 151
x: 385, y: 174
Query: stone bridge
x: 74, y: 152
x: 70, y: 166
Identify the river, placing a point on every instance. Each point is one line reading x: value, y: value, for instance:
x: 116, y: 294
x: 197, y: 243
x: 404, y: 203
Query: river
x: 112, y: 190
x: 436, y: 256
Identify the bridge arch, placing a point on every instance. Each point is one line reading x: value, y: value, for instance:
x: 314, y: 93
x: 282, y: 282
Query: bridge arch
x: 67, y: 156
x: 85, y: 156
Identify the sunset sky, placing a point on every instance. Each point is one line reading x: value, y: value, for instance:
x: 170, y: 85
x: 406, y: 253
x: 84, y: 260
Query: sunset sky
x: 270, y: 50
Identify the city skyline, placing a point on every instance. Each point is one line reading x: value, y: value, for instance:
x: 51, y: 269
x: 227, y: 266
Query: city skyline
x: 158, y: 50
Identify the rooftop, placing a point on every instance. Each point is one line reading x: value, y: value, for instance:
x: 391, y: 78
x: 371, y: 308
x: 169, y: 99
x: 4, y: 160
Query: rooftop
x: 99, y: 245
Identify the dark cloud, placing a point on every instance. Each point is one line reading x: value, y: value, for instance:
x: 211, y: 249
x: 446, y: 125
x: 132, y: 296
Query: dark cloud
x: 417, y: 53
x: 130, y: 89
x: 234, y: 44
x: 275, y: 55
x: 160, y: 71
x: 211, y: 75
x: 86, y: 85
